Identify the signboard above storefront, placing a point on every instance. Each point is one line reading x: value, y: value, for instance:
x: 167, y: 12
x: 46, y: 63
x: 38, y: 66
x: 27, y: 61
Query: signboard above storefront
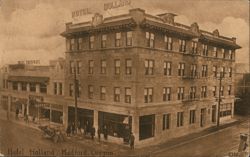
x: 116, y: 4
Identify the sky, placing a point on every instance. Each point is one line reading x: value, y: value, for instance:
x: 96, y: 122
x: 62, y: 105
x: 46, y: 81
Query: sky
x: 30, y: 29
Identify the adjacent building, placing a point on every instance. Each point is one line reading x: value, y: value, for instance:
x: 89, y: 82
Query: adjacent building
x: 148, y: 75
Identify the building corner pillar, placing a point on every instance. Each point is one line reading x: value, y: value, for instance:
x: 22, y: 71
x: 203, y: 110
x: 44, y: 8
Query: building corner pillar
x: 96, y: 121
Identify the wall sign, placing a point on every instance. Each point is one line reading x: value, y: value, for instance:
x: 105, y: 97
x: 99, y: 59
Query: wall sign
x: 116, y: 4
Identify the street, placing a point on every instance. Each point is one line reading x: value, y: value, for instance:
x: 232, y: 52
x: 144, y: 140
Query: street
x: 21, y: 140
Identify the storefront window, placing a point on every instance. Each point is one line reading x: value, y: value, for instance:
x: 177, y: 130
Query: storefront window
x: 146, y: 126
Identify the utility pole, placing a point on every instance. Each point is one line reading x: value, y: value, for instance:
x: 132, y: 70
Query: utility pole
x: 75, y: 94
x: 218, y: 117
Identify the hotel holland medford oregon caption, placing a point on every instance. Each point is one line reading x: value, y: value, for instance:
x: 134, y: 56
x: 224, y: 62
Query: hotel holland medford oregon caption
x: 148, y: 75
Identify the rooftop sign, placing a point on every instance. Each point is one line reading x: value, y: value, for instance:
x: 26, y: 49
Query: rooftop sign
x: 81, y: 12
x: 116, y: 4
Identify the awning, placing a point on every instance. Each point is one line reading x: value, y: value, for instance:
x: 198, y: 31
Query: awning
x: 28, y: 79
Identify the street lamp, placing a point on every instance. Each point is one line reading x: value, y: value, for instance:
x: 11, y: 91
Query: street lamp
x: 75, y: 94
x: 219, y: 101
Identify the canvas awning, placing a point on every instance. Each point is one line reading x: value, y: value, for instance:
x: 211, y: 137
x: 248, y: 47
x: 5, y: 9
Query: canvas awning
x: 34, y: 79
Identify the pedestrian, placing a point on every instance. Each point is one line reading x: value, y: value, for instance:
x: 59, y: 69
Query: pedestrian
x: 99, y: 133
x: 92, y: 132
x: 85, y: 129
x: 17, y: 113
x: 68, y: 130
x: 105, y: 132
x: 132, y: 141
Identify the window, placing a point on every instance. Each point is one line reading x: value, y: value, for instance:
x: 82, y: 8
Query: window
x: 127, y: 95
x: 71, y: 64
x: 215, y: 53
x: 104, y: 39
x: 180, y: 119
x: 214, y: 91
x: 90, y: 91
x: 102, y: 93
x: 55, y: 88
x: 230, y: 54
x: 181, y: 69
x: 204, y: 71
x: 118, y: 39
x: 117, y: 93
x: 149, y: 67
x: 148, y: 95
x: 129, y: 38
x: 167, y: 68
x: 32, y: 87
x: 128, y: 67
x: 168, y: 41
x: 78, y: 67
x: 103, y: 66
x: 222, y: 91
x: 204, y: 91
x: 225, y: 110
x: 182, y: 44
x: 194, y: 47
x: 150, y: 37
x: 117, y: 66
x: 91, y: 67
x: 230, y: 72
x: 146, y: 126
x: 180, y: 93
x: 204, y: 50
x: 60, y: 88
x: 192, y: 93
x: 91, y: 42
x: 71, y: 89
x: 193, y: 70
x: 72, y: 44
x: 43, y: 88
x: 229, y: 89
x: 223, y: 55
x: 166, y: 121
x: 166, y: 94
x: 215, y: 71
x: 192, y: 117
x: 24, y: 86
x: 222, y: 72
x: 80, y: 44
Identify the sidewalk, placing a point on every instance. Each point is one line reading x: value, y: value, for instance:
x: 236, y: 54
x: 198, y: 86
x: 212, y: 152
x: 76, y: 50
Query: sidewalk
x: 124, y: 149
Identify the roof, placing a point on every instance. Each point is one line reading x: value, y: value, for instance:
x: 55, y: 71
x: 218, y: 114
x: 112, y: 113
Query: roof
x: 124, y: 23
x: 35, y: 79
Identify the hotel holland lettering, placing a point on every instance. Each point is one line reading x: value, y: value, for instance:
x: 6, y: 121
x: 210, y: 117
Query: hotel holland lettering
x: 116, y: 4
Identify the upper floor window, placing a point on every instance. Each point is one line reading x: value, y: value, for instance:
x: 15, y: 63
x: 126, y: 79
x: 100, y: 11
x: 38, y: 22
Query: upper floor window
x: 192, y: 117
x: 215, y: 71
x: 194, y: 47
x: 166, y: 121
x: 71, y: 89
x: 117, y: 66
x: 117, y: 93
x: 91, y: 67
x: 91, y: 42
x: 104, y: 39
x: 204, y: 50
x: 103, y: 66
x: 102, y: 93
x: 204, y: 91
x: 60, y: 88
x: 166, y: 94
x: 181, y: 69
x: 229, y: 89
x: 230, y: 54
x: 78, y: 67
x: 118, y: 39
x: 222, y: 91
x: 149, y: 67
x: 150, y: 37
x: 193, y: 70
x: 204, y: 71
x: 167, y: 68
x: 168, y: 41
x: 182, y: 44
x: 192, y: 92
x: 90, y: 92
x: 180, y: 93
x: 127, y: 95
x: 15, y: 85
x: 24, y: 86
x: 72, y: 66
x: 222, y: 72
x: 72, y: 44
x: 32, y: 87
x: 43, y: 88
x: 180, y: 118
x: 129, y: 38
x: 223, y: 54
x: 229, y: 72
x: 148, y: 95
x: 128, y: 68
x: 79, y: 44
x: 215, y: 53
